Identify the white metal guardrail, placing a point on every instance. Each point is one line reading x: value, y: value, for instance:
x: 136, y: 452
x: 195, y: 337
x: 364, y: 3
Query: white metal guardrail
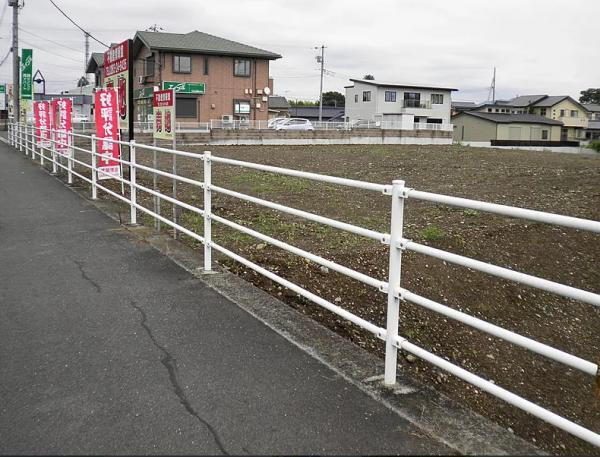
x: 23, y: 137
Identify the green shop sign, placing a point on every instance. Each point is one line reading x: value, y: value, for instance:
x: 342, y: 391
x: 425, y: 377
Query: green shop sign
x: 184, y: 88
x: 144, y: 92
x: 27, y: 74
x: 2, y: 88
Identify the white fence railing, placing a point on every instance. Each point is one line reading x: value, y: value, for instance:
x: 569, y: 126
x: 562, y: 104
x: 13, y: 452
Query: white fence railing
x: 216, y: 124
x: 25, y: 139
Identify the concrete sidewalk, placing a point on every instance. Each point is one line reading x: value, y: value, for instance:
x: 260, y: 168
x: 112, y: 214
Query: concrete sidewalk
x: 108, y: 347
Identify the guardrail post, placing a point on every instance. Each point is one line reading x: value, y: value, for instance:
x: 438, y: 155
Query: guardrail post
x: 54, y: 158
x: 20, y: 137
x: 70, y: 152
x: 132, y: 188
x: 32, y: 142
x: 94, y: 170
x: 207, y: 212
x: 395, y: 262
x: 41, y: 144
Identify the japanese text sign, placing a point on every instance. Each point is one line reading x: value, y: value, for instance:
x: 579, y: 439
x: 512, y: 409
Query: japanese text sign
x: 107, y: 127
x: 163, y: 104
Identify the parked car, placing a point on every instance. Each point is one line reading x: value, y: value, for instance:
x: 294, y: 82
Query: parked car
x: 364, y: 124
x: 80, y: 118
x: 294, y: 123
x: 276, y: 120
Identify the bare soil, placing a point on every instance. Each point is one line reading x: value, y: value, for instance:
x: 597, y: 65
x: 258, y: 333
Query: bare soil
x: 560, y: 183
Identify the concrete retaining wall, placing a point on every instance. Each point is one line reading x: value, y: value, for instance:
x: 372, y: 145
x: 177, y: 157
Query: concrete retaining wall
x: 271, y: 137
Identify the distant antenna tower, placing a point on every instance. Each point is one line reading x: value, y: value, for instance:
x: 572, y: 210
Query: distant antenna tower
x: 155, y: 28
x: 492, y: 91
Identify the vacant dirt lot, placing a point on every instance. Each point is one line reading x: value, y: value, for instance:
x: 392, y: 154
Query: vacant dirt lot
x: 565, y: 184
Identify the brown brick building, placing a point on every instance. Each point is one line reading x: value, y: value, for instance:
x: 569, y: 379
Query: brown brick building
x: 227, y: 78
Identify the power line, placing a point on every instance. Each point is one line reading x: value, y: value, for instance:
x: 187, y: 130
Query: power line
x: 77, y: 25
x: 49, y: 52
x: 3, y: 12
x: 5, y: 57
x: 49, y: 40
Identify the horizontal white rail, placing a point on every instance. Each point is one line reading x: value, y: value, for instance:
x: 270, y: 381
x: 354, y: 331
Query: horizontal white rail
x: 306, y: 215
x: 497, y: 391
x: 510, y: 211
x: 505, y: 273
x: 303, y: 174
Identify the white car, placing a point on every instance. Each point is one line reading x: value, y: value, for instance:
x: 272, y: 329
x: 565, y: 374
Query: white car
x: 294, y: 123
x: 80, y: 118
x: 276, y: 120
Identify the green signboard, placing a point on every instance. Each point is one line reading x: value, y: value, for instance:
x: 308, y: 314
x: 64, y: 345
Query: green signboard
x: 27, y: 74
x: 144, y: 92
x: 184, y: 88
x: 2, y: 88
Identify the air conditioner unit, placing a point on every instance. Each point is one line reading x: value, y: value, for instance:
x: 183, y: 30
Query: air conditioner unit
x: 227, y: 118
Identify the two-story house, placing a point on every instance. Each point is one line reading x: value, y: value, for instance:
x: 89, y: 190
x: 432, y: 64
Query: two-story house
x: 592, y: 132
x: 380, y: 101
x: 214, y: 77
x: 570, y: 112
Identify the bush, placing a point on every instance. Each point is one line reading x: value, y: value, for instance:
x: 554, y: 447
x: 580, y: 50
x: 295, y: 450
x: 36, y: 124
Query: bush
x: 595, y: 145
x: 432, y: 233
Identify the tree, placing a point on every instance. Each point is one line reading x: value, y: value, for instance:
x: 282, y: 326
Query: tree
x: 333, y: 98
x: 369, y: 77
x: 590, y: 96
x: 303, y: 103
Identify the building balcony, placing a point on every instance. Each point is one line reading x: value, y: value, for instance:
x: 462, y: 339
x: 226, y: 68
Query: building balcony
x: 416, y: 104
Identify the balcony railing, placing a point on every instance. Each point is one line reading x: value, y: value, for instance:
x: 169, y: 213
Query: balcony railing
x: 416, y: 104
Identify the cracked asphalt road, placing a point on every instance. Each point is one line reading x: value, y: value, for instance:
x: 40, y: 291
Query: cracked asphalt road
x: 108, y: 347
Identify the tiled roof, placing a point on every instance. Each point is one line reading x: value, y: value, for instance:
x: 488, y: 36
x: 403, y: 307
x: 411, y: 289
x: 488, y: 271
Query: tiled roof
x: 202, y: 43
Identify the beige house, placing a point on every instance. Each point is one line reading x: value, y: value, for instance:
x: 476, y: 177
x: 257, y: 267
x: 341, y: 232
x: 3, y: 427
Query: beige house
x: 475, y: 126
x: 571, y: 113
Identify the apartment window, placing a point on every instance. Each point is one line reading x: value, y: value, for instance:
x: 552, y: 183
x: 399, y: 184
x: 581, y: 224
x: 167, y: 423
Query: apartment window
x: 390, y: 95
x: 241, y: 67
x: 366, y: 96
x: 542, y: 111
x: 182, y: 64
x: 412, y: 99
x: 205, y: 65
x: 355, y: 98
x: 574, y: 113
x: 563, y: 113
x: 241, y: 107
x: 186, y: 107
x: 149, y: 66
x: 544, y: 134
x: 437, y: 99
x: 489, y: 110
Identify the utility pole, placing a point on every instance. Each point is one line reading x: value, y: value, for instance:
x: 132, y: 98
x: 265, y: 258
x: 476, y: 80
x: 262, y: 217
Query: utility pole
x: 321, y: 59
x: 494, y: 86
x: 87, y: 53
x: 16, y: 63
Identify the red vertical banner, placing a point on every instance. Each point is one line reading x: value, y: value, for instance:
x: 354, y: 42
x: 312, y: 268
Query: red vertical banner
x: 41, y: 114
x: 63, y: 126
x: 107, y: 127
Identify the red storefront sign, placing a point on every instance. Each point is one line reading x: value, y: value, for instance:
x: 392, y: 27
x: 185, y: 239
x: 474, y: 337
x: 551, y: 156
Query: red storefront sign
x: 107, y: 127
x: 116, y: 59
x: 41, y: 114
x: 164, y: 114
x: 63, y: 127
x: 116, y: 75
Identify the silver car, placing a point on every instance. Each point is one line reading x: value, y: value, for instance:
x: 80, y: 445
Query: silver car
x: 294, y: 123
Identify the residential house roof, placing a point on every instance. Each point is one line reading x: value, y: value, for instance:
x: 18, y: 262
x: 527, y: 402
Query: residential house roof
x: 551, y: 101
x: 96, y: 61
x: 392, y: 84
x: 278, y: 102
x: 523, y: 101
x: 458, y: 104
x: 200, y: 42
x: 592, y: 107
x: 329, y: 112
x: 499, y: 118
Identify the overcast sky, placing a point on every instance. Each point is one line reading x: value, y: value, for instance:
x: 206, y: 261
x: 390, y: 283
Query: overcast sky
x: 538, y: 46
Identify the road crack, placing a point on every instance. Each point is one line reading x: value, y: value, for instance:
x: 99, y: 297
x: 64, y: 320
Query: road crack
x: 85, y: 276
x: 170, y: 364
